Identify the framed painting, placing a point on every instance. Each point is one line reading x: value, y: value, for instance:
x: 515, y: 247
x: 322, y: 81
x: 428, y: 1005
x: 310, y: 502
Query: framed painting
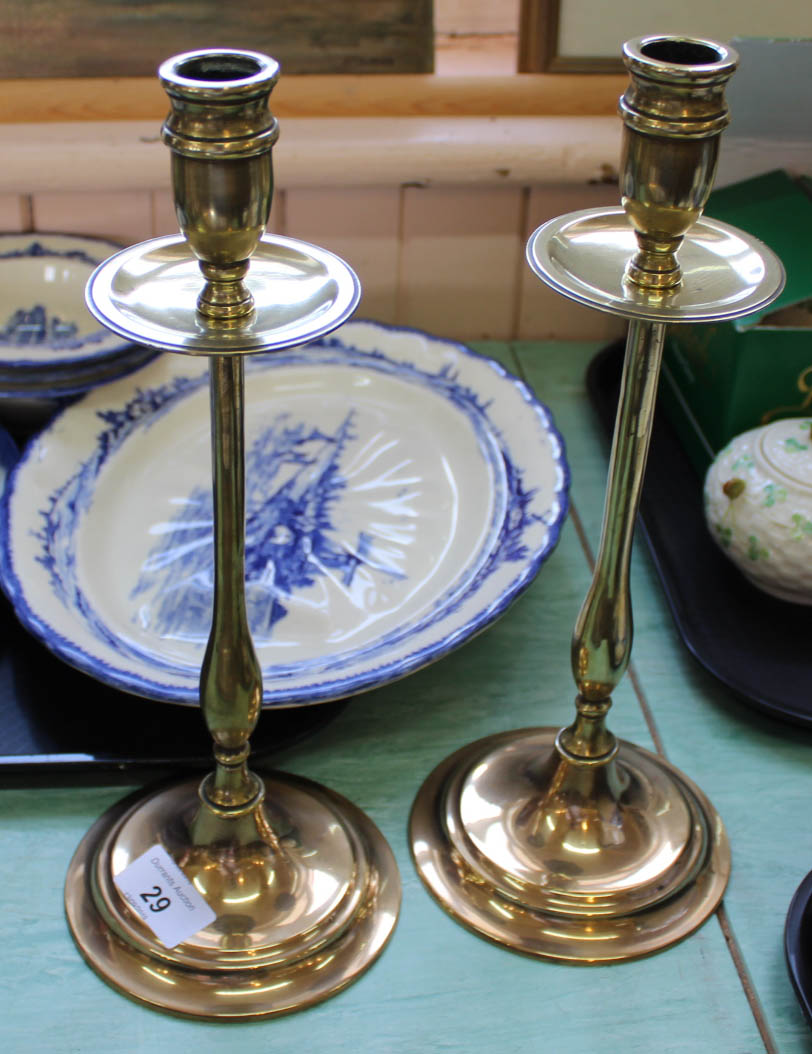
x: 117, y: 38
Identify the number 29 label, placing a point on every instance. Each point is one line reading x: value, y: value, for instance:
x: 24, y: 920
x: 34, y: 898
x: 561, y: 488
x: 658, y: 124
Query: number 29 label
x: 163, y: 897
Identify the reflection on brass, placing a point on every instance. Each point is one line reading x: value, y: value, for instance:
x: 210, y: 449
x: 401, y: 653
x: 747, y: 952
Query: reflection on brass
x: 304, y: 887
x: 575, y: 845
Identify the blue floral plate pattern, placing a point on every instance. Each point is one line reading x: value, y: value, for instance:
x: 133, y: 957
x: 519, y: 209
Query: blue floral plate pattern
x: 401, y: 491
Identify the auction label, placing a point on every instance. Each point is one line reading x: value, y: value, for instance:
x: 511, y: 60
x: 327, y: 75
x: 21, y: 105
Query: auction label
x: 159, y: 892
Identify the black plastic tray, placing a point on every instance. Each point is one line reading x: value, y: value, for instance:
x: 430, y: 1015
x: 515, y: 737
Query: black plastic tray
x: 755, y: 644
x: 54, y: 718
x: 798, y: 942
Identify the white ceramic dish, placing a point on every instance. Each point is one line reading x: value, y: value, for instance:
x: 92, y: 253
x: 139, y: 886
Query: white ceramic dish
x: 51, y: 347
x: 401, y: 491
x: 44, y: 323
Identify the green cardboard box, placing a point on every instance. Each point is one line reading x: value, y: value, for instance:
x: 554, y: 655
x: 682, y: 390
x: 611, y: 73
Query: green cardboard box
x: 721, y: 379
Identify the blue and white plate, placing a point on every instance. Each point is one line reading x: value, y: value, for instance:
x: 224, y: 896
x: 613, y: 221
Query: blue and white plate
x: 401, y: 492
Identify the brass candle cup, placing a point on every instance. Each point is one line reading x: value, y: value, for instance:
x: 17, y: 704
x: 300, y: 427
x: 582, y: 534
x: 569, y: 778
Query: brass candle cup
x: 222, y: 173
x: 571, y: 844
x: 673, y: 113
x: 304, y: 888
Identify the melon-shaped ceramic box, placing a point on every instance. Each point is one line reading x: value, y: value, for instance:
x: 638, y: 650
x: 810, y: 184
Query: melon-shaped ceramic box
x: 758, y: 505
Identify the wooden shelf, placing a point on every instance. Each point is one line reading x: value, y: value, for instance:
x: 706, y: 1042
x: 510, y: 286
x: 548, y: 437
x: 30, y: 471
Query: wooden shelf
x: 38, y: 100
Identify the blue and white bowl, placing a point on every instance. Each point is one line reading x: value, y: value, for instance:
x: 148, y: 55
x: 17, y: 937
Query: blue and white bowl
x: 50, y: 345
x: 401, y: 491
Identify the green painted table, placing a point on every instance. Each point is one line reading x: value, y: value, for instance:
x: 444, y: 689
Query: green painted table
x: 437, y: 987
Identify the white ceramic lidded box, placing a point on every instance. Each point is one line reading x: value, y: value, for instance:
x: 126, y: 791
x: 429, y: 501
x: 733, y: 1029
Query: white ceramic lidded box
x: 758, y: 505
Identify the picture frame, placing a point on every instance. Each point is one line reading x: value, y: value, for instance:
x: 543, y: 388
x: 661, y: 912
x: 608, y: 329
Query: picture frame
x: 581, y: 36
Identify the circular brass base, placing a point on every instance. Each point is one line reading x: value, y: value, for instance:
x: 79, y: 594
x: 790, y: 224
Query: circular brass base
x: 305, y: 890
x: 582, y: 862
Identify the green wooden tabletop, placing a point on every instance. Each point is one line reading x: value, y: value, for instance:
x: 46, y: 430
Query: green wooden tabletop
x: 437, y: 987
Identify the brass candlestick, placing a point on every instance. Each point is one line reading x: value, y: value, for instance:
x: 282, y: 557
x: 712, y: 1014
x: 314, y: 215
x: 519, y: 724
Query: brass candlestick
x: 571, y: 844
x: 303, y: 887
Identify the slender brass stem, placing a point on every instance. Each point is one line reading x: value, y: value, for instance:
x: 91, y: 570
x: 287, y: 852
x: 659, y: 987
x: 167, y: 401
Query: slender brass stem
x: 602, y: 639
x: 231, y: 677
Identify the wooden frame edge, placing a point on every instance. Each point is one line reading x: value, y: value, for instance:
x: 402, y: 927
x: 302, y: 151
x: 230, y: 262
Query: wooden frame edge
x: 538, y: 44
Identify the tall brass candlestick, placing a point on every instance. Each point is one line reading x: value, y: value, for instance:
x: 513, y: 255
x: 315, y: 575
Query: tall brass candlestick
x: 303, y: 889
x: 571, y: 844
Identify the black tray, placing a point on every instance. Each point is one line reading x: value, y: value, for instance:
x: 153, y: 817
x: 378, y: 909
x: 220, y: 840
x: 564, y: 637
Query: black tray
x: 754, y: 643
x: 797, y: 944
x: 53, y: 718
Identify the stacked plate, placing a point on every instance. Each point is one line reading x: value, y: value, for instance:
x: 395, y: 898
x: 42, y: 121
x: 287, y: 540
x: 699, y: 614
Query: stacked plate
x: 51, y: 347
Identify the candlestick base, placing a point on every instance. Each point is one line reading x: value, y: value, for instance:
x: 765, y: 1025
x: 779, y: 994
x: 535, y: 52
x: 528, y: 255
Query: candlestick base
x: 586, y: 861
x: 304, y: 888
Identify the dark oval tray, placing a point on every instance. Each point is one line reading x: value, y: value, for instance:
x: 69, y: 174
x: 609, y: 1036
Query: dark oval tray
x: 754, y: 643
